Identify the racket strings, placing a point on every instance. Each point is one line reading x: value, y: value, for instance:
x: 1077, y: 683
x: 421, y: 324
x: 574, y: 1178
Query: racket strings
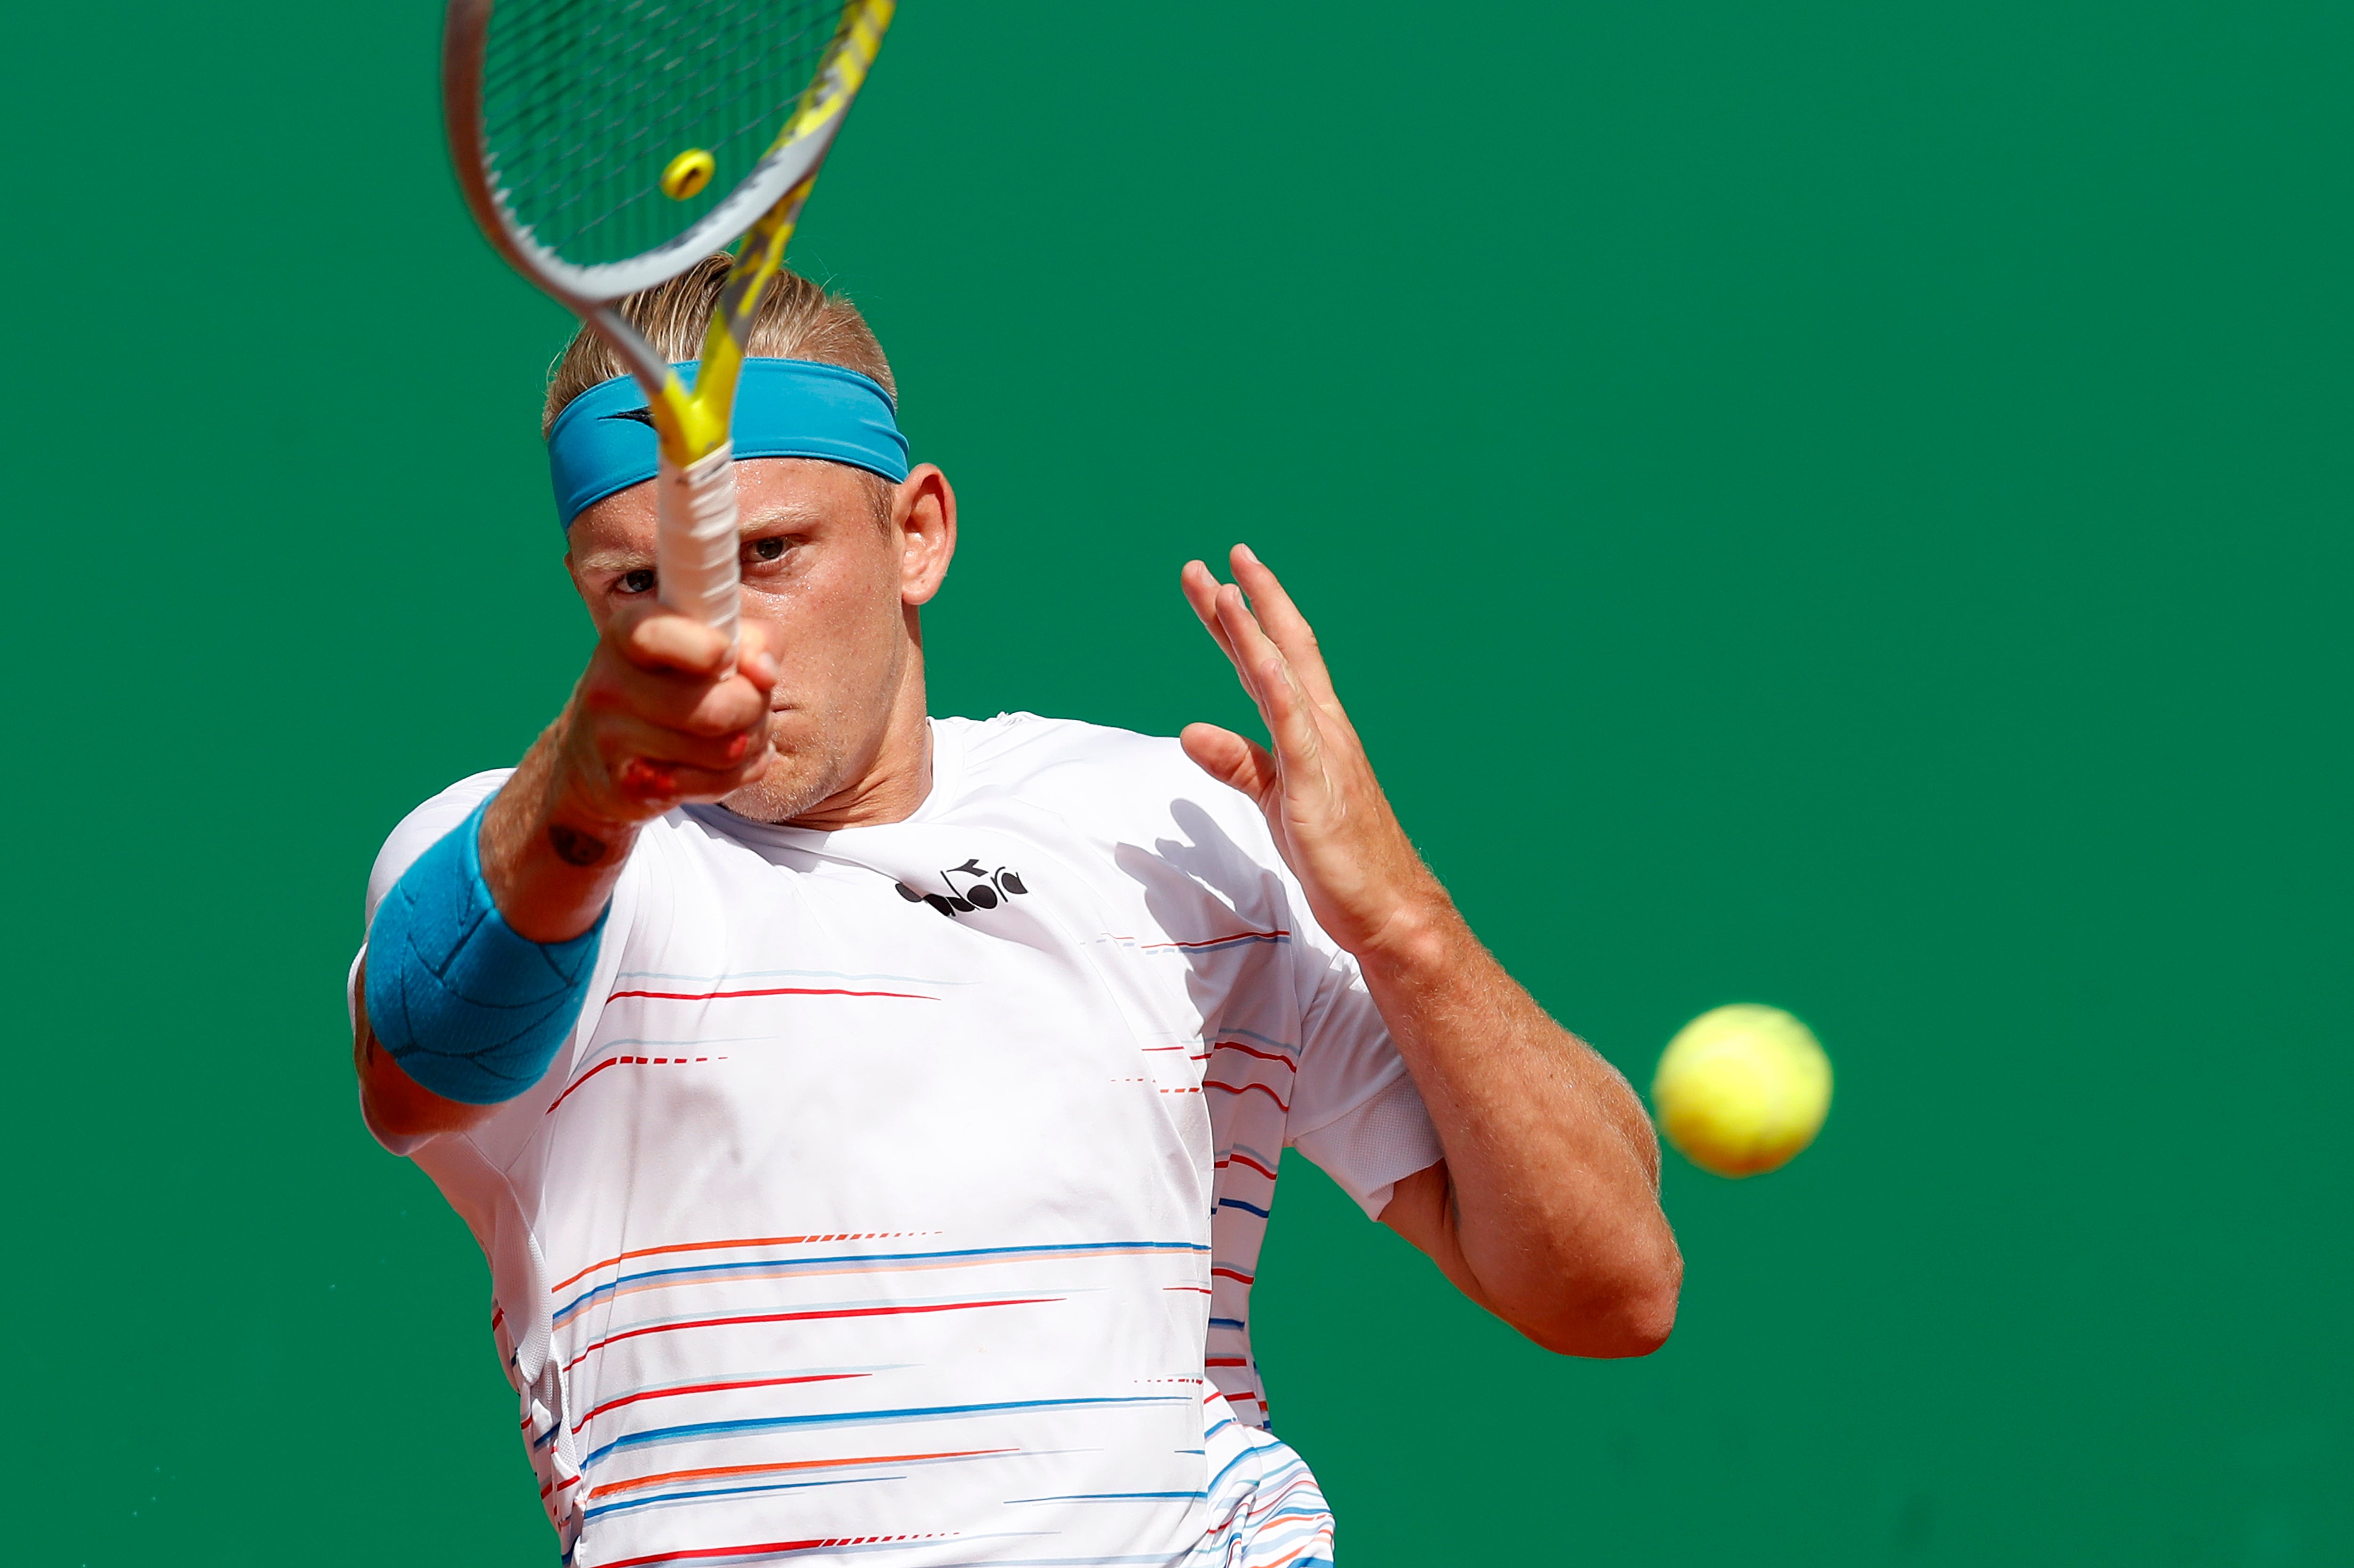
x: 586, y: 102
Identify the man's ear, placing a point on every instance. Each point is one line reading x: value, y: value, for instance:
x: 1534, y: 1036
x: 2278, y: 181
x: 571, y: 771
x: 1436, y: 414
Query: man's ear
x: 924, y: 513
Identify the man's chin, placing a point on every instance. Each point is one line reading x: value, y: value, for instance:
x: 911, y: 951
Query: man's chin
x: 793, y: 787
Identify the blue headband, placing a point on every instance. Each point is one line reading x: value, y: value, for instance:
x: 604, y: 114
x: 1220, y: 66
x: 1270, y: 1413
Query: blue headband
x: 602, y: 443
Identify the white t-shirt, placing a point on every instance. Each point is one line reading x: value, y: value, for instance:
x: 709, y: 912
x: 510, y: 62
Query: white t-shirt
x: 901, y: 1187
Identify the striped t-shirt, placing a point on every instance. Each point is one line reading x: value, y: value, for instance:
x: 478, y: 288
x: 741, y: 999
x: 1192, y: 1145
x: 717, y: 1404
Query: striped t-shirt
x: 898, y: 1194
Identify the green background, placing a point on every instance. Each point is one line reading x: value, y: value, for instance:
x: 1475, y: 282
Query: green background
x: 1837, y: 504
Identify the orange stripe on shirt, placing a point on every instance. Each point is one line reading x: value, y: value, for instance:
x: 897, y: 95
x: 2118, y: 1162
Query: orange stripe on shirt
x: 611, y: 1488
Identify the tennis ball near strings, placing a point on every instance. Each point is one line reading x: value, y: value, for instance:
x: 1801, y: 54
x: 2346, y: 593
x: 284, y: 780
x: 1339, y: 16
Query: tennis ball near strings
x: 688, y: 174
x: 1741, y: 1090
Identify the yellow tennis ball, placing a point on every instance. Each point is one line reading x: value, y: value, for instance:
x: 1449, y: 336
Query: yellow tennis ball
x: 687, y: 174
x: 1741, y: 1090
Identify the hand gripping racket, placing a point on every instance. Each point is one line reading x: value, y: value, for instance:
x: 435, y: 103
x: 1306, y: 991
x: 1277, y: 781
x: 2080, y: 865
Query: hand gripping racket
x: 608, y: 145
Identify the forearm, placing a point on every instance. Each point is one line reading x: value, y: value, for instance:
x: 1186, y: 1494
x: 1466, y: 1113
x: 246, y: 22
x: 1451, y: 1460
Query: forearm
x: 1546, y: 1208
x: 665, y: 713
x: 482, y: 953
x: 550, y: 856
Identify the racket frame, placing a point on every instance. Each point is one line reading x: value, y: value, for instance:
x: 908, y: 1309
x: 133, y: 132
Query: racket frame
x: 757, y: 217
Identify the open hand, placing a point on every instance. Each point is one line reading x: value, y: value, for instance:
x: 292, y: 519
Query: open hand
x: 1365, y: 882
x: 1546, y: 1208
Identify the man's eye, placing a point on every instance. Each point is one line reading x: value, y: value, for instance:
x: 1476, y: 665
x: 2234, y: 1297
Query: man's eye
x: 639, y: 581
x: 766, y: 549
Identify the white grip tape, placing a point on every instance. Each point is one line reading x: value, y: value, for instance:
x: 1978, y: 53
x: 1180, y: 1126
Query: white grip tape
x: 694, y: 540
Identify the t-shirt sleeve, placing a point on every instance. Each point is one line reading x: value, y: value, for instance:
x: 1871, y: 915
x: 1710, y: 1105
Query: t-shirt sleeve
x: 1354, y: 1110
x: 422, y: 829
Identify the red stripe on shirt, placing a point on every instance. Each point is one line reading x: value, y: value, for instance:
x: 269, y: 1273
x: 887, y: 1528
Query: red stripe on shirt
x: 717, y: 1471
x: 718, y: 1551
x: 1262, y: 1056
x: 773, y: 990
x: 713, y: 1388
x: 1212, y: 942
x: 621, y: 1061
x: 1245, y: 1088
x: 804, y: 1317
x: 741, y: 1241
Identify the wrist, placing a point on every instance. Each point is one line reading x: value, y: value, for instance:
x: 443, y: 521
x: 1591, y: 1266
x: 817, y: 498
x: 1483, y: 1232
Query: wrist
x: 576, y: 798
x: 1418, y: 941
x: 549, y: 849
x: 581, y: 824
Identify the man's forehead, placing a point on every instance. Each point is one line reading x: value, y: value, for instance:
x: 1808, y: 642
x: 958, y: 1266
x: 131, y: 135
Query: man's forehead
x: 797, y: 493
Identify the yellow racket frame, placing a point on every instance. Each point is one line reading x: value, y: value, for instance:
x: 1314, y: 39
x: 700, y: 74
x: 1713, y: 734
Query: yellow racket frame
x: 692, y: 422
x: 696, y: 492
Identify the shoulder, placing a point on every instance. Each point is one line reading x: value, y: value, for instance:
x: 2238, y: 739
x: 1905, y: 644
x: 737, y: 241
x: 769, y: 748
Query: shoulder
x: 1111, y: 780
x: 426, y: 826
x: 1188, y: 841
x: 1027, y: 745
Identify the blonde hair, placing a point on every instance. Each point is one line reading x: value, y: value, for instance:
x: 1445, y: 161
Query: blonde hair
x: 797, y: 320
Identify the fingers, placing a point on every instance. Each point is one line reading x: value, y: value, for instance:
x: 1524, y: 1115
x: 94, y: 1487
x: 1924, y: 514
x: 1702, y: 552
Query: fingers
x: 620, y: 736
x: 645, y: 788
x: 1289, y: 718
x: 656, y: 769
x: 660, y: 640
x: 1207, y: 596
x: 1283, y: 622
x: 665, y: 713
x: 1231, y: 761
x: 658, y: 785
x: 692, y: 705
x: 1289, y: 713
x: 666, y: 670
x: 759, y: 655
x: 1202, y: 592
x: 1273, y: 612
x: 1316, y: 786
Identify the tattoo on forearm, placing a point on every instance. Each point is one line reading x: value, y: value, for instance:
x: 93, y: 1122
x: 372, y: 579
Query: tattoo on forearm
x: 574, y: 847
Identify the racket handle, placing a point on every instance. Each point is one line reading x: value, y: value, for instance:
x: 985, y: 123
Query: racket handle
x: 694, y: 540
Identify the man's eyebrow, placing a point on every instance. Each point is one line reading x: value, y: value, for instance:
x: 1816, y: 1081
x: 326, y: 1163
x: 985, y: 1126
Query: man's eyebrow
x: 615, y: 560
x: 792, y: 513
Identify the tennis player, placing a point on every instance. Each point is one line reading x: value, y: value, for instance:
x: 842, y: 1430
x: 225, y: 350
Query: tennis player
x: 872, y: 1120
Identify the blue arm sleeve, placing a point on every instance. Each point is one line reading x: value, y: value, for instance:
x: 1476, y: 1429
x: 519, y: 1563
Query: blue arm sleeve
x: 469, y: 1009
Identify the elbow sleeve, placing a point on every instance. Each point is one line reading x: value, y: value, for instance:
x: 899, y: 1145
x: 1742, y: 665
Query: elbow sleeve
x: 469, y: 1009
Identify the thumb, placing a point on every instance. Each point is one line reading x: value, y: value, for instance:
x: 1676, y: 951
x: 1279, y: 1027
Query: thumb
x: 1230, y: 759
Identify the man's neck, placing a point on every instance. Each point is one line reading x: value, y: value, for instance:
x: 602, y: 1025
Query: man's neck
x: 892, y: 789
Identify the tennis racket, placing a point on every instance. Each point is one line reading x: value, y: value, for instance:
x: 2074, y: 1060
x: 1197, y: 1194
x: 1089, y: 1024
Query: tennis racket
x: 608, y: 145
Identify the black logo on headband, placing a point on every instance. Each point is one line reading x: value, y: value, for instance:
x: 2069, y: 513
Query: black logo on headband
x: 981, y: 889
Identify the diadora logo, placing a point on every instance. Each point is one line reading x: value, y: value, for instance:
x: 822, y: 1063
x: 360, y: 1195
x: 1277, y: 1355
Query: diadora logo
x: 968, y: 889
